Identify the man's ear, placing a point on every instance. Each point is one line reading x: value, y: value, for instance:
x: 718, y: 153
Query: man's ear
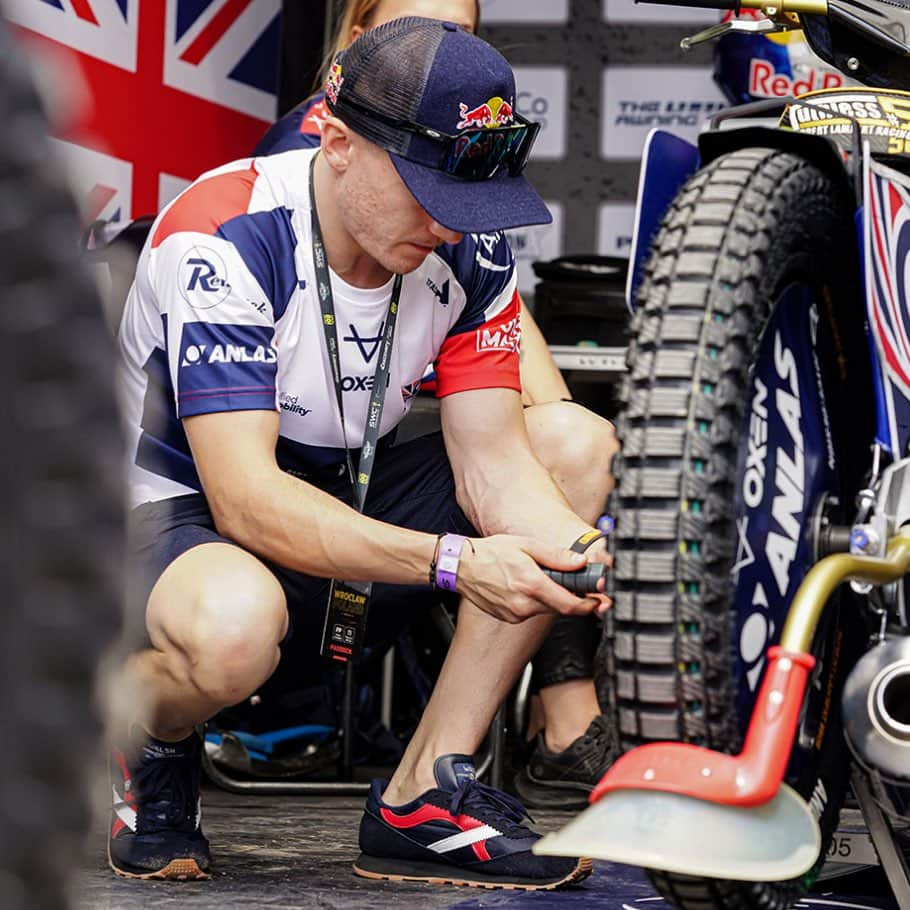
x: 336, y: 144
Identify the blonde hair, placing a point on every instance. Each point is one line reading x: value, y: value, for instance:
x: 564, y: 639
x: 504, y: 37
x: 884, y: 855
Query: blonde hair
x: 359, y: 12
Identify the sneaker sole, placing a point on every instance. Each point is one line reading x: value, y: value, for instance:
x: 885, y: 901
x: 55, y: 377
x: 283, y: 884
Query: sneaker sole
x: 177, y: 870
x: 430, y: 873
x: 537, y: 794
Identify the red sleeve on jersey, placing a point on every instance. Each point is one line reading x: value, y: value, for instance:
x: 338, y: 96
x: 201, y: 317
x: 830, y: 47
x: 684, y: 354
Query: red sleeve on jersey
x: 311, y: 125
x: 206, y: 205
x: 482, y: 358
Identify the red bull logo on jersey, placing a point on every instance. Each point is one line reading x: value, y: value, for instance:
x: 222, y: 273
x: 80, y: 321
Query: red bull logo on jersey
x: 492, y: 113
x: 333, y: 82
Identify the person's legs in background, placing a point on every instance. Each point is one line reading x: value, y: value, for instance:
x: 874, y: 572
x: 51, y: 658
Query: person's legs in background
x: 574, y: 746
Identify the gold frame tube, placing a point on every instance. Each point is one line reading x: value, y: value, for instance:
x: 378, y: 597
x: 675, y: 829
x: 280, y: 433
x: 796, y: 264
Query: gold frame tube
x: 818, y: 585
x: 771, y: 9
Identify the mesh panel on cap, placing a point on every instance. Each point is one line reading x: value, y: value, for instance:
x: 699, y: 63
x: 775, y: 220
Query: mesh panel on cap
x: 387, y: 69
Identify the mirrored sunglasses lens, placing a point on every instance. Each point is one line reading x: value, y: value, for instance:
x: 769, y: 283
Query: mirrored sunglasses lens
x: 478, y: 154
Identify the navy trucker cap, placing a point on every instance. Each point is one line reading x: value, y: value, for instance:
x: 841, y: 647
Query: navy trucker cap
x: 434, y: 74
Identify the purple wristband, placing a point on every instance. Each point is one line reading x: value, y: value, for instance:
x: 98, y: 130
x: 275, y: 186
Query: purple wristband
x: 447, y: 563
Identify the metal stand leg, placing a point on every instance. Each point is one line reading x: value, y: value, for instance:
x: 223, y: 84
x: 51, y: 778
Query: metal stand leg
x: 497, y: 738
x: 890, y: 855
x: 299, y: 787
x: 346, y: 770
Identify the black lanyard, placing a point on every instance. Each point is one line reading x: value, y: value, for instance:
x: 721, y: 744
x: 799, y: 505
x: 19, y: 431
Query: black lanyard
x: 361, y: 480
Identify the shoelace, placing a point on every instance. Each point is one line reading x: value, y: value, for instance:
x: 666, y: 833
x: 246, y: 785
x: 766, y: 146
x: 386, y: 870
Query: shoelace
x: 590, y: 750
x: 474, y: 797
x: 598, y: 741
x: 165, y: 791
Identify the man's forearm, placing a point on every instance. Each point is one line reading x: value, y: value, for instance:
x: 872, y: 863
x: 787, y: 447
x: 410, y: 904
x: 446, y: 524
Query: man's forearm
x: 299, y: 526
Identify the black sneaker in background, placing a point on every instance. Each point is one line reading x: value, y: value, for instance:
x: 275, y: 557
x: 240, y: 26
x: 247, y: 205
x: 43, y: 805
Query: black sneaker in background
x: 156, y: 830
x: 563, y: 780
x: 462, y: 832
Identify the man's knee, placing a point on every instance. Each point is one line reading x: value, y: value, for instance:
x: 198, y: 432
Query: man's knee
x: 227, y: 632
x: 570, y: 440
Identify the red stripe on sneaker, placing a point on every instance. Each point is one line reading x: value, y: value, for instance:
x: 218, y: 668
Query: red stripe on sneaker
x: 428, y: 813
x: 480, y: 850
x: 118, y: 826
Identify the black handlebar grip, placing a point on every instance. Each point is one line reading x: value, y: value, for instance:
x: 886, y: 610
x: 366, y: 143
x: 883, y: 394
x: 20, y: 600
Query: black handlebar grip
x: 582, y: 581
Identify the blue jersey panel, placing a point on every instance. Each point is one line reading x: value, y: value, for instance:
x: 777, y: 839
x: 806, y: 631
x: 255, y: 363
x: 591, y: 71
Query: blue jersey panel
x: 226, y: 368
x: 163, y: 446
x: 485, y: 263
x: 266, y: 243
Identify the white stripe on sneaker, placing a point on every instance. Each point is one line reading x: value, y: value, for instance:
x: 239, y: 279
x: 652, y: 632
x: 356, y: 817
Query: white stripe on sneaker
x: 124, y: 812
x: 463, y: 839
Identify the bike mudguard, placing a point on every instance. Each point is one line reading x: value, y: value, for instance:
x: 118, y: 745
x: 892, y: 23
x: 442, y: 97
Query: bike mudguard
x: 751, y: 827
x: 648, y: 804
x: 667, y: 163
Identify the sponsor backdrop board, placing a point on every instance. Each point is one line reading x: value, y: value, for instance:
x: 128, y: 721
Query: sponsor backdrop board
x: 632, y: 11
x: 542, y: 97
x: 521, y: 11
x: 637, y: 99
x: 615, y: 223
x: 537, y: 243
x: 599, y: 79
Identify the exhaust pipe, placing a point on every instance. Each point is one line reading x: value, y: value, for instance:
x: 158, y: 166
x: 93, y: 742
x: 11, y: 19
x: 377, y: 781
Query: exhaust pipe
x: 876, y: 709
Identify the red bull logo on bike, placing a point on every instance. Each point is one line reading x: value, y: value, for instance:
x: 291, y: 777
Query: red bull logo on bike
x: 492, y: 113
x: 766, y: 82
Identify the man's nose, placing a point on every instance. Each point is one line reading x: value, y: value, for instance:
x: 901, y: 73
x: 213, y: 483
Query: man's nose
x: 444, y: 234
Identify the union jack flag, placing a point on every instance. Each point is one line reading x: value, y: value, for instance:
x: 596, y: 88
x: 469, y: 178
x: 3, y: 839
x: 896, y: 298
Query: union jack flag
x: 176, y: 86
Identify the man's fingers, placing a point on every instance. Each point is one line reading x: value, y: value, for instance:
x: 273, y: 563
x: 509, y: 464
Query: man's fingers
x: 560, y: 558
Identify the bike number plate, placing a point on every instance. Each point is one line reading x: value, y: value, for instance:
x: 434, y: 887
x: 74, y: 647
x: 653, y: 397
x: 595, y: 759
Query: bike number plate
x: 852, y: 847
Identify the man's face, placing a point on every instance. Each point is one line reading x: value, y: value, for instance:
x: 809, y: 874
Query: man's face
x: 380, y: 214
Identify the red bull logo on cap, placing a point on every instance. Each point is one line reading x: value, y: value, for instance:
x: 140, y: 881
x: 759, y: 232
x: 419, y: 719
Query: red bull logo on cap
x: 333, y: 82
x: 495, y: 112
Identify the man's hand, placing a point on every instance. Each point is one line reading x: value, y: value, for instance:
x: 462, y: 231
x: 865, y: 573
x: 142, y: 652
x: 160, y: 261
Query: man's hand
x: 501, y: 575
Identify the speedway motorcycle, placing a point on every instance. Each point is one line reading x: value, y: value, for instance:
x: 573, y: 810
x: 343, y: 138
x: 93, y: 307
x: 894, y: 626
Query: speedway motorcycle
x: 758, y: 659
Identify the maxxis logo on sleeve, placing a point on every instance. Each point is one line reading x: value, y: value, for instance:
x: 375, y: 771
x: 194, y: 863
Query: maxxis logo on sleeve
x: 506, y: 336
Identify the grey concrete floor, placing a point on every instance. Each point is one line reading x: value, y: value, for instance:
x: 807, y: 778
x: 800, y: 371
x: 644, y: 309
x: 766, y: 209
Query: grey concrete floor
x: 294, y: 852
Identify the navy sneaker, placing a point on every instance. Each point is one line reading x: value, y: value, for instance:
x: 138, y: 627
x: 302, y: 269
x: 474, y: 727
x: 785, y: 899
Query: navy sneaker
x: 564, y: 780
x: 460, y: 833
x: 156, y: 830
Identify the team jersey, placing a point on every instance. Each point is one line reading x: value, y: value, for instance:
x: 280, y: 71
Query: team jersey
x: 224, y: 316
x: 300, y: 128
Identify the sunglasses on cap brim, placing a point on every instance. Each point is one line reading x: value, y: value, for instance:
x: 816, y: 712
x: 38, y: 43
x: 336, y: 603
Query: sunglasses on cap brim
x: 473, y: 154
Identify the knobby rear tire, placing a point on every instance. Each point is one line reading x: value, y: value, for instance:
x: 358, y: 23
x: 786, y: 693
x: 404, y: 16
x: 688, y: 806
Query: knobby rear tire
x: 738, y: 232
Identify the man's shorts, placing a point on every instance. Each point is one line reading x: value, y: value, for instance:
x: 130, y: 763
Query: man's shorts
x: 412, y: 487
